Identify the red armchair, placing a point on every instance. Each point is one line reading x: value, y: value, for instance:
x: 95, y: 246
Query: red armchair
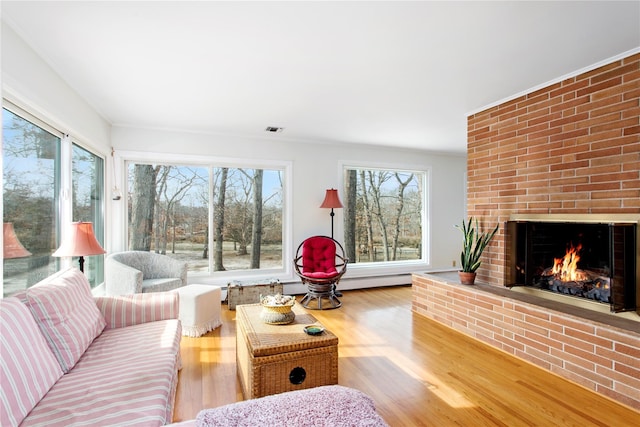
x: 320, y: 263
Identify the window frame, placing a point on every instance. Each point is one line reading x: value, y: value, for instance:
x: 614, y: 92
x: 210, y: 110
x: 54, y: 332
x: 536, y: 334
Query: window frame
x: 124, y: 158
x: 367, y: 269
x: 63, y: 196
x: 97, y: 275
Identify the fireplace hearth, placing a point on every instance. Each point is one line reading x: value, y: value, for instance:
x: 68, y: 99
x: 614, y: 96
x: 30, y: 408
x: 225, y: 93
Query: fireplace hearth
x: 592, y: 257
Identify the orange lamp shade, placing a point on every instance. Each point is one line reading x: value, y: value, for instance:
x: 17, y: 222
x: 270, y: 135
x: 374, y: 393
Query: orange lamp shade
x: 331, y: 199
x: 11, y: 244
x: 81, y: 241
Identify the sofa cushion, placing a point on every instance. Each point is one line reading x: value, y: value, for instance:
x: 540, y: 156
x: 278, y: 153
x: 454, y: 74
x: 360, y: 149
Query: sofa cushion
x: 161, y: 284
x: 126, y: 377
x: 66, y: 314
x: 28, y: 369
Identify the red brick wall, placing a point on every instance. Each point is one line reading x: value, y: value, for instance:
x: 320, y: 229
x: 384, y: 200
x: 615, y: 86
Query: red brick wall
x: 572, y: 147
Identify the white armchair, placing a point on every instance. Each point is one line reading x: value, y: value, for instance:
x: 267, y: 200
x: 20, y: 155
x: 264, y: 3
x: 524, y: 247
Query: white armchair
x: 134, y: 272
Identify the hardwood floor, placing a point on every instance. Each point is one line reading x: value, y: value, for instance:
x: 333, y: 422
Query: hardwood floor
x: 418, y: 372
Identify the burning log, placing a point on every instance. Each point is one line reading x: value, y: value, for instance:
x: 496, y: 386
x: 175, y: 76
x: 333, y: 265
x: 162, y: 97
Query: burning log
x: 566, y: 278
x: 591, y: 285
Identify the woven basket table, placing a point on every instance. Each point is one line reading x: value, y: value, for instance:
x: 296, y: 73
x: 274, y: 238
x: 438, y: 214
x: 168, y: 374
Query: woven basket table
x: 273, y: 359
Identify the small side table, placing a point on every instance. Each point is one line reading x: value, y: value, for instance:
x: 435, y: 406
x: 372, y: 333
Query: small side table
x: 199, y: 309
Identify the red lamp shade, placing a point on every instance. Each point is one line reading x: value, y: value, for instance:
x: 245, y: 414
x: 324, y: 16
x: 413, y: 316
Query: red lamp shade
x: 331, y: 199
x: 12, y: 246
x: 80, y: 242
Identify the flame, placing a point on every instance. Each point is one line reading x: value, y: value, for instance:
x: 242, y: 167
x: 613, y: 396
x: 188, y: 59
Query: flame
x: 566, y: 268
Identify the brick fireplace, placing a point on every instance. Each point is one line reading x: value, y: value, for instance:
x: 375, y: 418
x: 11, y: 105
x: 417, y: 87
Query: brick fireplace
x: 571, y: 148
x: 591, y: 256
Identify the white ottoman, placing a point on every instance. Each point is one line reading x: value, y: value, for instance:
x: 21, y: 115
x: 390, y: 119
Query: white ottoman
x: 199, y: 309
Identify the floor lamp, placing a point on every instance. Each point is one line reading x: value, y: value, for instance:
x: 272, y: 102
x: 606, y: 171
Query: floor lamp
x: 80, y: 242
x: 332, y: 201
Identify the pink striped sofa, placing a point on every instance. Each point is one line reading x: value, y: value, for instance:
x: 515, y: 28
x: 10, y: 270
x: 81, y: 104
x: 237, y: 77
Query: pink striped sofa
x: 71, y: 359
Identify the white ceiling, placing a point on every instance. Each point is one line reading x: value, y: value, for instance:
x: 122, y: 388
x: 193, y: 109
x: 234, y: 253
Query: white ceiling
x: 391, y: 73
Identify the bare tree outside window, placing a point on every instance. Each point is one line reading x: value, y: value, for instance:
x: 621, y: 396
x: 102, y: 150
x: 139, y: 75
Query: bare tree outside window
x: 383, y: 215
x: 142, y: 204
x: 169, y: 213
x: 351, y: 191
x: 218, y: 236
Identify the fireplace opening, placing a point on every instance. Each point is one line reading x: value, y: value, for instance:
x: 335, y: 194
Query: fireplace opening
x: 596, y: 261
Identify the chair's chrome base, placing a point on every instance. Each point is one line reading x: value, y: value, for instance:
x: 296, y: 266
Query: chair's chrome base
x: 319, y: 292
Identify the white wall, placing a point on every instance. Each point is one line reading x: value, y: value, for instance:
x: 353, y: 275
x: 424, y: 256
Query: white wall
x: 316, y: 167
x: 29, y: 82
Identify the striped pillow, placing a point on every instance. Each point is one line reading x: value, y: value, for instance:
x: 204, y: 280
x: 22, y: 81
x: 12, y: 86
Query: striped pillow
x: 28, y: 369
x: 127, y: 310
x: 66, y: 314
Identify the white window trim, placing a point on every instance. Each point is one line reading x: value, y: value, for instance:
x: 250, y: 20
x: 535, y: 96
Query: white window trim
x: 67, y: 140
x: 119, y: 208
x: 382, y: 268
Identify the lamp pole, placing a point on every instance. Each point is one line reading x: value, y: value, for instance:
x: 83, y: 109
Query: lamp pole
x: 332, y: 215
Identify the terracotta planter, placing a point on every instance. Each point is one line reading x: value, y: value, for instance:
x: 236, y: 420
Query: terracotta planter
x: 467, y: 278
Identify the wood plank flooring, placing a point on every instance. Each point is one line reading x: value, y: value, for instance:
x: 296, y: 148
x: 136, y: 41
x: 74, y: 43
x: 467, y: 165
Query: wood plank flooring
x: 419, y: 372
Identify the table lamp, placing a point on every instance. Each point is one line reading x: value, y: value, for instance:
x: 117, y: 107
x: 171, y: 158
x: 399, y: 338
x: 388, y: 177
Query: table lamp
x: 80, y: 242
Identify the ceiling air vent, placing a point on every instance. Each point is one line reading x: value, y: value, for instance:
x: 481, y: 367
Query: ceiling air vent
x: 273, y: 129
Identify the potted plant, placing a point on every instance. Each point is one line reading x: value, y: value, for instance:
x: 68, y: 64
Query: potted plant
x: 474, y: 243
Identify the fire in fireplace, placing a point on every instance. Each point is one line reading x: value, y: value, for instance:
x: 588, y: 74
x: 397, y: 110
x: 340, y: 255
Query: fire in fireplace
x: 566, y: 278
x: 587, y: 257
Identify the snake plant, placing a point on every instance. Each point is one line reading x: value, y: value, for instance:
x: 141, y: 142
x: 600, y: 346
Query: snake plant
x: 474, y: 244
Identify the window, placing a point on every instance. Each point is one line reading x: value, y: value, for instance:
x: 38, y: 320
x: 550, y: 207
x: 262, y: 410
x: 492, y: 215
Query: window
x: 87, y: 203
x: 214, y: 218
x: 31, y: 179
x: 33, y: 167
x: 384, y: 212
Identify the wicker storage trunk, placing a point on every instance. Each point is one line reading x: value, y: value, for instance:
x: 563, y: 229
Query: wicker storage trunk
x: 273, y: 359
x: 249, y: 293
